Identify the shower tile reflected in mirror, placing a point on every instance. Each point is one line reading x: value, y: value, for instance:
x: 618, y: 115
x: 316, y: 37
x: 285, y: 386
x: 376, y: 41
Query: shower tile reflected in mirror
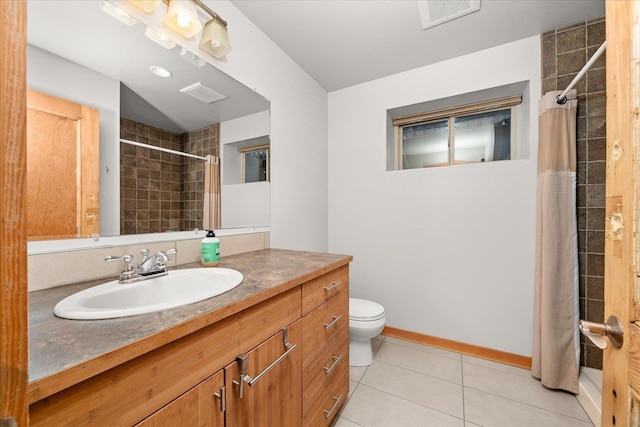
x: 162, y: 191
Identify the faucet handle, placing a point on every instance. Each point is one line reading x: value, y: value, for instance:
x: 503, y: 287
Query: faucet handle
x: 144, y: 252
x: 127, y: 269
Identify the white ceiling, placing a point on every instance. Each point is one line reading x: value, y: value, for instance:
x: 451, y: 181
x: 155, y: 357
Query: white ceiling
x: 345, y: 42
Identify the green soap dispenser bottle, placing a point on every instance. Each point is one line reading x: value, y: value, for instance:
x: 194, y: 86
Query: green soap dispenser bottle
x: 210, y: 250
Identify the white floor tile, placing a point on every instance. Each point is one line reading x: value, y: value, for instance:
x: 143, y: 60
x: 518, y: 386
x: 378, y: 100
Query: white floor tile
x: 414, y: 385
x: 375, y: 345
x: 521, y: 389
x: 498, y: 366
x: 372, y: 408
x: 345, y: 423
x: 434, y: 393
x: 422, y: 347
x: 352, y: 387
x: 488, y: 410
x: 356, y: 372
x: 421, y: 361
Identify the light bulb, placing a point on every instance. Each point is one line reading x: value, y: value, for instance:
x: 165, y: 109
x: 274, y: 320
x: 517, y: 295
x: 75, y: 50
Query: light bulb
x: 183, y: 20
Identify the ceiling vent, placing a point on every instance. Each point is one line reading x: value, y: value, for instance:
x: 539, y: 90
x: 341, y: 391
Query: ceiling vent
x: 203, y: 93
x: 436, y: 12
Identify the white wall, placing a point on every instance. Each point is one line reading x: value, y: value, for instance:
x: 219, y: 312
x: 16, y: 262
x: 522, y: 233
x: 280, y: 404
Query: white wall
x: 298, y: 131
x: 56, y: 76
x: 249, y: 204
x: 448, y: 251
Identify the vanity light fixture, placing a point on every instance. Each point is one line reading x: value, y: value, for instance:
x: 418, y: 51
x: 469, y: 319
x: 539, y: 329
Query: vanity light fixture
x: 117, y: 13
x: 160, y: 71
x: 147, y: 6
x: 159, y: 38
x: 215, y: 38
x: 182, y: 18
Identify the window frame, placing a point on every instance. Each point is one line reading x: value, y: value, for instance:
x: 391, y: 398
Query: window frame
x: 450, y: 114
x: 244, y: 151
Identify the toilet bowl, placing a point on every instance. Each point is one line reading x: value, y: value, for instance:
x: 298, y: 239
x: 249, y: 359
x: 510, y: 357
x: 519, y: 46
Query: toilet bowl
x: 366, y: 321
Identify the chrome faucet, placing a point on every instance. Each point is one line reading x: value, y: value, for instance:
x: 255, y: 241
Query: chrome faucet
x: 149, y: 266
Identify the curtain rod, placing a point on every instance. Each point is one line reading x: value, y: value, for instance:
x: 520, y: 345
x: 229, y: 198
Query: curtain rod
x: 562, y: 98
x: 166, y: 150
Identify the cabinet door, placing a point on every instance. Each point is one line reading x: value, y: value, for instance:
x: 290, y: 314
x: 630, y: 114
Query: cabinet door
x: 271, y: 388
x: 199, y: 407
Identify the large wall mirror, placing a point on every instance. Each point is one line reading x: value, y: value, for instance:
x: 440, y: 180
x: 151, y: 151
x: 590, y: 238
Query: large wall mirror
x: 79, y: 53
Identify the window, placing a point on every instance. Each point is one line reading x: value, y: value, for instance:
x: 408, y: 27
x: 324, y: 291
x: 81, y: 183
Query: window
x: 478, y: 132
x: 254, y: 163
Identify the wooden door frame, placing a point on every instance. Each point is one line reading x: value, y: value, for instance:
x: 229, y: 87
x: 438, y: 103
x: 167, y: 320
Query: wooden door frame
x: 13, y: 246
x: 621, y: 381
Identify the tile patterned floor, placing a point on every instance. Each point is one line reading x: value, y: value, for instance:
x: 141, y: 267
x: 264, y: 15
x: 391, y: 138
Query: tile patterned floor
x: 410, y: 384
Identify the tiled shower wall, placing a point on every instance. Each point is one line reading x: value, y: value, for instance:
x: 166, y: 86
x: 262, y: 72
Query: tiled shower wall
x: 162, y: 191
x: 564, y: 53
x: 200, y: 142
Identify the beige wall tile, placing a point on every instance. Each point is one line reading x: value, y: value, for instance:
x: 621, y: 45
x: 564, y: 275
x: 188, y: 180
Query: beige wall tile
x: 63, y: 268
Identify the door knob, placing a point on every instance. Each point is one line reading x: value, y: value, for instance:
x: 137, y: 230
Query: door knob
x: 599, y: 332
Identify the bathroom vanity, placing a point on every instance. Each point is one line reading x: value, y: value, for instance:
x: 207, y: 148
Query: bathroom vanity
x: 272, y: 351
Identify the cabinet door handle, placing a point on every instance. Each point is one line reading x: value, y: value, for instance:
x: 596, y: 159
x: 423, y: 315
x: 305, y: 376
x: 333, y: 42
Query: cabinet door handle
x: 333, y: 322
x: 336, y: 359
x: 223, y: 398
x: 327, y: 412
x: 244, y: 378
x: 333, y: 285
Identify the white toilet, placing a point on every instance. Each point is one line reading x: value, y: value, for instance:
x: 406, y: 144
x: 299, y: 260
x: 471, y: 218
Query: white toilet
x: 366, y: 321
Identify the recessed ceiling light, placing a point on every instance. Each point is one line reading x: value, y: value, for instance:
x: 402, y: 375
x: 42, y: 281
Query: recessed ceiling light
x: 159, y: 71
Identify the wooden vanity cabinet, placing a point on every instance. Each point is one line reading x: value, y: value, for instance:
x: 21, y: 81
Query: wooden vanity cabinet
x: 274, y: 399
x: 298, y: 379
x: 200, y: 406
x: 325, y: 347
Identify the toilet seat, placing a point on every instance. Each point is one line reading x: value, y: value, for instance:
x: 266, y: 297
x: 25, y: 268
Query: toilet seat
x: 364, y: 310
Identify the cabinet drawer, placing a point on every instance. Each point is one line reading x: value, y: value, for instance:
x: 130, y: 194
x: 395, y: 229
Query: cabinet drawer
x: 329, y: 364
x: 323, y: 323
x: 323, y: 288
x: 328, y: 405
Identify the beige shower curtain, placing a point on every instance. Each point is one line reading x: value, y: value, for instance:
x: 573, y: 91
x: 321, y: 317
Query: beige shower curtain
x: 211, y: 214
x: 555, y: 336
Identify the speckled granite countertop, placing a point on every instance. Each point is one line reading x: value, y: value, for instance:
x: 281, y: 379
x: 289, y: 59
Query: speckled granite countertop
x: 62, y: 350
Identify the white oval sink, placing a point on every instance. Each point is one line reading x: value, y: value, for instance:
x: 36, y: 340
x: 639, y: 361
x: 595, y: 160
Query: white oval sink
x: 179, y: 287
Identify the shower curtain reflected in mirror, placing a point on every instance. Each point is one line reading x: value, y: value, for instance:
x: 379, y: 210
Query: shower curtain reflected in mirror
x: 211, y: 215
x: 556, y: 341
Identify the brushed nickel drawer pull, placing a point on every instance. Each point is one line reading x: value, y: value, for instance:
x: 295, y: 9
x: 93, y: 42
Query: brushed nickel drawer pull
x: 242, y: 359
x: 335, y: 319
x: 333, y: 285
x: 327, y: 413
x: 336, y: 359
x: 223, y: 398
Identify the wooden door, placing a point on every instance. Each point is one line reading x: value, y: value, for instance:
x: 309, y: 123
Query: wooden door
x: 62, y: 168
x: 621, y: 367
x: 200, y: 406
x: 275, y: 399
x: 13, y: 250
